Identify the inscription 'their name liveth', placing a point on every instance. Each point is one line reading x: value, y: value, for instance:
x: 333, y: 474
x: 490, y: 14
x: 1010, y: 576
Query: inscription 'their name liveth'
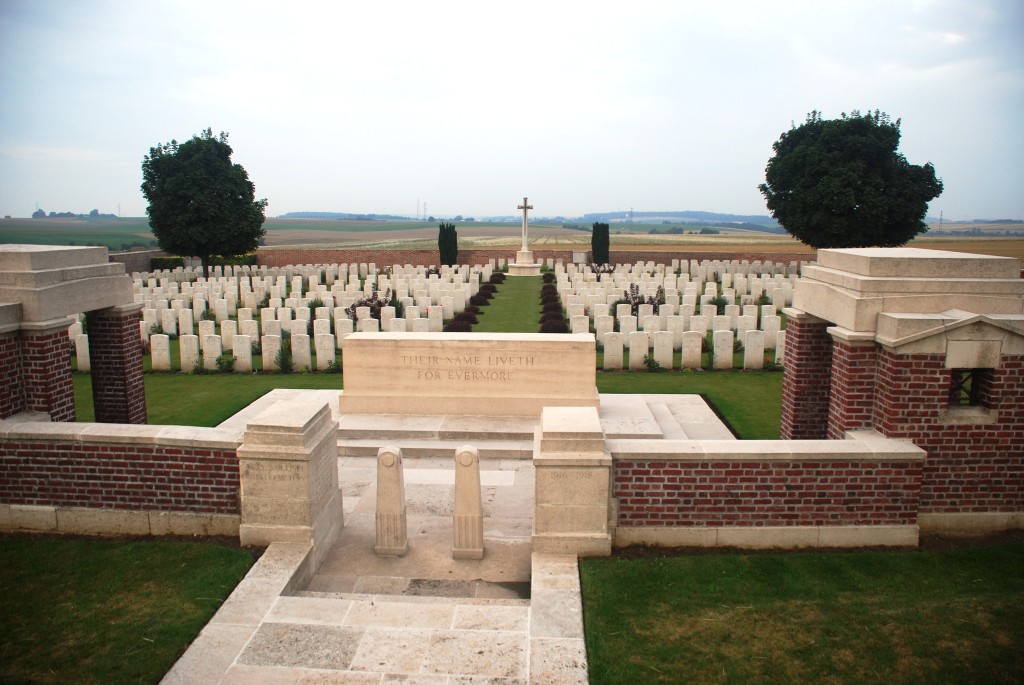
x: 466, y: 367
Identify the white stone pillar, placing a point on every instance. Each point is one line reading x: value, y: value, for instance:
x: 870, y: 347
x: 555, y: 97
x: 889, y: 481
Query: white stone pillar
x: 392, y: 536
x: 469, y: 518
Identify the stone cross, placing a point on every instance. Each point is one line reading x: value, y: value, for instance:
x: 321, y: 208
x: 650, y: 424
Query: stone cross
x: 526, y: 206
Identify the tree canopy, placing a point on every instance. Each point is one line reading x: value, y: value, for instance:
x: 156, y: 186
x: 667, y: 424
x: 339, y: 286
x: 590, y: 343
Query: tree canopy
x: 448, y: 244
x: 600, y: 243
x: 200, y: 204
x: 842, y: 183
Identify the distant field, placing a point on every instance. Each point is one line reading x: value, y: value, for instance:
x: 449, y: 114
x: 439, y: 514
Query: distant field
x: 114, y: 234
x: 124, y: 233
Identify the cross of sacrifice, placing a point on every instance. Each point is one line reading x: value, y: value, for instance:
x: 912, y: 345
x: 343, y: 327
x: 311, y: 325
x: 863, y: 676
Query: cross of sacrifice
x: 526, y: 206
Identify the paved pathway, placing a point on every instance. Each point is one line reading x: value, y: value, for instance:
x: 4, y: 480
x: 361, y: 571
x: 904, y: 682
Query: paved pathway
x: 509, y: 618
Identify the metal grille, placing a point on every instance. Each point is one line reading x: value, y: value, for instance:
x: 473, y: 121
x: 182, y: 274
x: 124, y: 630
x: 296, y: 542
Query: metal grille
x: 965, y: 387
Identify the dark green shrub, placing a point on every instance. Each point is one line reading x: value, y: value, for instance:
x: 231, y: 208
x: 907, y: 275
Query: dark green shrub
x: 560, y: 326
x: 457, y: 326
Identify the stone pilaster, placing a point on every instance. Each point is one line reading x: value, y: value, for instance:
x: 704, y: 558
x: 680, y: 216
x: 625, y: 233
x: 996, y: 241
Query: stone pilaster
x: 288, y: 465
x: 573, y: 490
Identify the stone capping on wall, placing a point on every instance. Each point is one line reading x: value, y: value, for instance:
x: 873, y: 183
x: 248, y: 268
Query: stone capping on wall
x: 864, y: 445
x: 109, y: 433
x: 37, y: 430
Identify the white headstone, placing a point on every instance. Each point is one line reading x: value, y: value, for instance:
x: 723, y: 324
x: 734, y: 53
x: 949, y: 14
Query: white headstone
x: 212, y: 347
x: 663, y: 349
x: 188, y: 349
x: 723, y: 349
x: 693, y: 344
x: 639, y: 344
x: 753, y: 350
x: 325, y: 350
x: 271, y: 346
x: 302, y: 360
x: 241, y: 348
x: 82, y: 352
x: 613, y: 351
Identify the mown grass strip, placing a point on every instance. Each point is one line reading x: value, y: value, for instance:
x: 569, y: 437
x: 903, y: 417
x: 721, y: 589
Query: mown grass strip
x: 178, y: 399
x: 515, y: 307
x: 106, y: 611
x: 910, y: 617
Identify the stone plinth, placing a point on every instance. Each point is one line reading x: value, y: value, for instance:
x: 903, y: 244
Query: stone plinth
x: 480, y: 374
x: 288, y: 465
x: 524, y: 265
x: 54, y: 282
x: 573, y: 473
x: 851, y: 287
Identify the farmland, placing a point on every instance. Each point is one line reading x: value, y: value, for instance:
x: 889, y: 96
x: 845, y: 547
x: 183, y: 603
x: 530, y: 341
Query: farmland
x: 133, y: 232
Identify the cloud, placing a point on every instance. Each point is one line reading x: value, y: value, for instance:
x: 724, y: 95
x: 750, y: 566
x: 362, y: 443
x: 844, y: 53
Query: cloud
x: 28, y: 153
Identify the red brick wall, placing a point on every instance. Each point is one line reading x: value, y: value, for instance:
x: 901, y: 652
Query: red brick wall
x: 12, y: 387
x: 424, y: 257
x: 123, y: 476
x: 46, y: 371
x: 852, y: 395
x: 805, y: 381
x: 115, y: 353
x: 970, y: 468
x: 759, y: 493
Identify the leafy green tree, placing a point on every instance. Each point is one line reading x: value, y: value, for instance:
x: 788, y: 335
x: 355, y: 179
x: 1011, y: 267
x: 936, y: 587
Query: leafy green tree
x: 448, y: 244
x: 841, y: 183
x: 200, y: 204
x: 600, y: 243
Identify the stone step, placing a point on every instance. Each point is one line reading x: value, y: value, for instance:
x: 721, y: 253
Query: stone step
x: 425, y: 427
x: 427, y: 591
x: 488, y: 449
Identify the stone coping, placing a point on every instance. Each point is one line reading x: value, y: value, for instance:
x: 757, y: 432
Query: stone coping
x: 873, y: 449
x: 768, y: 537
x: 913, y: 262
x: 25, y: 428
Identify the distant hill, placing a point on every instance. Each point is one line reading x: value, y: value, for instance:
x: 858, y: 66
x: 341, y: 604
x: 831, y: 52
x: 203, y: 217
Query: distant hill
x: 758, y: 222
x: 343, y: 215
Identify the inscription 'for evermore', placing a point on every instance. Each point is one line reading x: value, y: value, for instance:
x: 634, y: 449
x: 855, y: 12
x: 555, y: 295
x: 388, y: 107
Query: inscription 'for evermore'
x: 468, y: 368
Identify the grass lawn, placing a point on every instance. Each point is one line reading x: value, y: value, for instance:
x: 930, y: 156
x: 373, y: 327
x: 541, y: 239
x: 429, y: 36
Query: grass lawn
x: 515, y: 307
x: 915, y: 617
x: 106, y: 611
x: 179, y: 399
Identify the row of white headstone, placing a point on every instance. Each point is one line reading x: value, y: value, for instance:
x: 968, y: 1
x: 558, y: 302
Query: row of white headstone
x: 639, y: 345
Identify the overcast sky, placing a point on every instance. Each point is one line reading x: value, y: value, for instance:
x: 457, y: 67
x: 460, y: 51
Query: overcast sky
x: 583, y: 106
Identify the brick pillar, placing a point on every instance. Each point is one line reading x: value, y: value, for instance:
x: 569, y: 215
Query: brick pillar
x: 806, y: 377
x: 12, y: 382
x: 46, y: 370
x: 852, y: 393
x: 115, y: 349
